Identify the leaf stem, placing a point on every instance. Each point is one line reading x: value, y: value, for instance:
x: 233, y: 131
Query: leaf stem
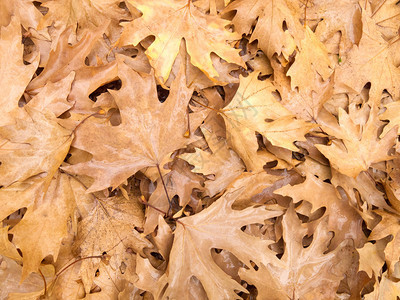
x: 165, y: 189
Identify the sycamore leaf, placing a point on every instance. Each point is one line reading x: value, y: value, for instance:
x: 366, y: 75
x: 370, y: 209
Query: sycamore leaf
x: 79, y: 14
x: 196, y: 235
x: 302, y: 273
x: 35, y: 144
x: 270, y: 30
x: 14, y: 74
x: 245, y: 115
x: 159, y: 130
x: 370, y: 61
x: 360, y: 147
x: 66, y: 58
x: 41, y: 230
x: 109, y: 227
x: 203, y: 34
x: 223, y: 162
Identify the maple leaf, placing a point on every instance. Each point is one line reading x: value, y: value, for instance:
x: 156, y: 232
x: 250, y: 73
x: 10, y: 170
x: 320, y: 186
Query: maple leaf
x: 35, y: 144
x: 301, y: 273
x: 49, y: 206
x: 305, y: 103
x: 203, y: 34
x: 196, y: 235
x: 160, y: 129
x: 14, y: 74
x: 358, y: 150
x: 370, y: 61
x: 270, y: 29
x: 245, y: 115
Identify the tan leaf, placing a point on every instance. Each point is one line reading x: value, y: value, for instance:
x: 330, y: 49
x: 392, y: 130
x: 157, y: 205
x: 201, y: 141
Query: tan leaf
x: 35, y: 144
x: 245, y: 115
x: 196, y: 235
x: 270, y: 29
x: 160, y: 130
x: 360, y: 147
x: 222, y: 162
x: 44, y: 225
x: 343, y: 219
x: 301, y: 273
x: 14, y: 74
x: 203, y: 34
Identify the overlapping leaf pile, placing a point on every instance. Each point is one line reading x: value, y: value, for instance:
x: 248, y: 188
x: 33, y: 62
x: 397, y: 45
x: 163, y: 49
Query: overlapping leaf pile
x: 178, y: 149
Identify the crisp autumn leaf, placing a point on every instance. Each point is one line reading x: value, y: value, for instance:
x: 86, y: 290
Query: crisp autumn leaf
x: 196, y: 235
x: 245, y: 115
x: 35, y: 144
x: 391, y: 114
x: 311, y: 59
x: 370, y: 61
x: 229, y: 164
x: 301, y: 273
x: 146, y: 146
x: 41, y: 230
x: 330, y: 11
x: 270, y: 29
x: 14, y: 74
x: 343, y: 219
x: 109, y: 227
x: 202, y: 33
x: 358, y: 148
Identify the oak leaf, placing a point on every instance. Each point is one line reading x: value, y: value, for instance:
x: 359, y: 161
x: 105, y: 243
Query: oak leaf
x: 14, y: 74
x: 196, y: 235
x: 301, y: 273
x: 203, y: 34
x: 370, y: 61
x: 270, y: 29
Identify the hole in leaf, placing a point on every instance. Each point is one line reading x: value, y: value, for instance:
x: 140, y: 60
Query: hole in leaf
x: 157, y: 255
x: 113, y: 85
x: 284, y: 26
x: 162, y: 93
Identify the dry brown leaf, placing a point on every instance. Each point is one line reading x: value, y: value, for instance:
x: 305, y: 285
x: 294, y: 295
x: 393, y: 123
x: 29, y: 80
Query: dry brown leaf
x: 203, y: 34
x: 301, y: 273
x: 14, y: 74
x: 190, y: 257
x: 149, y: 144
x: 278, y: 29
x: 360, y: 147
x: 245, y: 115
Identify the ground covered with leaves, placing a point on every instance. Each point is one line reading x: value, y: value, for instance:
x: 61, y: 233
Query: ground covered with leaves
x: 210, y: 149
